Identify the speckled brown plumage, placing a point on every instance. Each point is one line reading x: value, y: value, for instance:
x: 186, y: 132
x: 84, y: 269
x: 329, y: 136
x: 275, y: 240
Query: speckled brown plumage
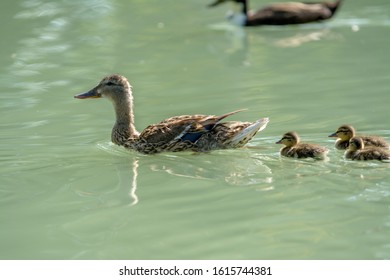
x: 358, y: 151
x: 180, y: 133
x: 345, y: 132
x: 293, y: 147
x: 286, y: 12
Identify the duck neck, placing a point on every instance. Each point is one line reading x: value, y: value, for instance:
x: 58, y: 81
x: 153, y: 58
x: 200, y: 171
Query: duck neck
x: 124, y: 126
x: 238, y: 13
x: 244, y: 8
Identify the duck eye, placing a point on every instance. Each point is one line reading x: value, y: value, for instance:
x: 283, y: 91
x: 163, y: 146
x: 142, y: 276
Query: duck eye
x: 110, y: 84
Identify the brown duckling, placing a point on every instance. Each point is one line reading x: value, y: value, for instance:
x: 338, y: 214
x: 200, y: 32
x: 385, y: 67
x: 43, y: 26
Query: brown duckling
x: 345, y: 132
x: 199, y: 133
x: 357, y: 151
x: 281, y: 13
x: 293, y: 147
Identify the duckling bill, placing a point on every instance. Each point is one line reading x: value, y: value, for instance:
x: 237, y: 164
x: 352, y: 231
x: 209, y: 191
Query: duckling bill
x: 199, y: 133
x: 281, y: 13
x: 293, y: 147
x: 357, y: 151
x: 346, y: 132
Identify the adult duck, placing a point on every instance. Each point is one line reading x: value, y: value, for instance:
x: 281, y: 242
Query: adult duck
x: 199, y: 133
x: 280, y: 13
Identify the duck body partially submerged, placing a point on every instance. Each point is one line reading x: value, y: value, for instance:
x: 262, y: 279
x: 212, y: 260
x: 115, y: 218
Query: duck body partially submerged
x: 357, y: 151
x: 293, y: 147
x: 199, y: 133
x: 346, y: 132
x: 283, y: 13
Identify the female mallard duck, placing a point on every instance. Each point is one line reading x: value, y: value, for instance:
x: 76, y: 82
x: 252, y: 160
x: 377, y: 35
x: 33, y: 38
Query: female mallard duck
x: 357, y: 151
x: 293, y: 147
x: 192, y: 133
x: 282, y: 13
x: 345, y: 132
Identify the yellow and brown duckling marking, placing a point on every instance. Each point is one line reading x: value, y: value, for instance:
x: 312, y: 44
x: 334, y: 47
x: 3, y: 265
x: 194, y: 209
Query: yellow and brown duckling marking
x: 357, y: 151
x: 293, y: 147
x: 345, y: 132
x: 197, y: 133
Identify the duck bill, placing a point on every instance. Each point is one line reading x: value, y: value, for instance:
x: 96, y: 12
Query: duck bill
x: 278, y: 142
x: 332, y: 135
x: 89, y: 94
x: 216, y: 3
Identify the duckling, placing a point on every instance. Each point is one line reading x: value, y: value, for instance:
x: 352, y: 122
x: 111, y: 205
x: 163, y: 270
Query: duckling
x: 345, y: 132
x: 293, y: 147
x: 357, y: 151
x: 199, y: 133
x: 281, y: 13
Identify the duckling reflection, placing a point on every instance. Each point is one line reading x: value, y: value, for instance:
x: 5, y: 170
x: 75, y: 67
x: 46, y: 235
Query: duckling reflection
x: 345, y: 132
x: 357, y: 151
x: 293, y: 147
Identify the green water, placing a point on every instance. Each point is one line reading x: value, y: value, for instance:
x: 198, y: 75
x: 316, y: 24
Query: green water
x: 66, y: 192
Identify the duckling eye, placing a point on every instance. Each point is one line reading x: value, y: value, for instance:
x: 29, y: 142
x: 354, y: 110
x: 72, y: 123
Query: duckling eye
x: 343, y: 131
x: 110, y: 84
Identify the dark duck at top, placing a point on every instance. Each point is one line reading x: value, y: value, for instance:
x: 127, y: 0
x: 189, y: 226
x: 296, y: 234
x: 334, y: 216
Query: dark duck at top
x: 281, y: 13
x: 199, y: 133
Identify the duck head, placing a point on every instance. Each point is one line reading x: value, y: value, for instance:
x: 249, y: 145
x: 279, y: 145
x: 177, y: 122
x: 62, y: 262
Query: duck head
x: 289, y: 139
x: 344, y: 132
x: 114, y: 87
x: 117, y: 89
x: 356, y: 143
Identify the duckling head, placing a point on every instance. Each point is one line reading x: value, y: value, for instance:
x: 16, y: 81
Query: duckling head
x: 344, y: 132
x: 289, y: 139
x: 356, y: 143
x: 115, y: 87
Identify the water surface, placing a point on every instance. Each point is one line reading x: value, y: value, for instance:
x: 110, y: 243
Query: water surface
x: 68, y: 193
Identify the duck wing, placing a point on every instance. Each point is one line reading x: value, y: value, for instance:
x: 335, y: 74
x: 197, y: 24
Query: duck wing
x: 181, y: 128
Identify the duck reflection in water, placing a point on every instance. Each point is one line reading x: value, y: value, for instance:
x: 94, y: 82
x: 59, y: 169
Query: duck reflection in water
x: 236, y: 42
x: 242, y: 167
